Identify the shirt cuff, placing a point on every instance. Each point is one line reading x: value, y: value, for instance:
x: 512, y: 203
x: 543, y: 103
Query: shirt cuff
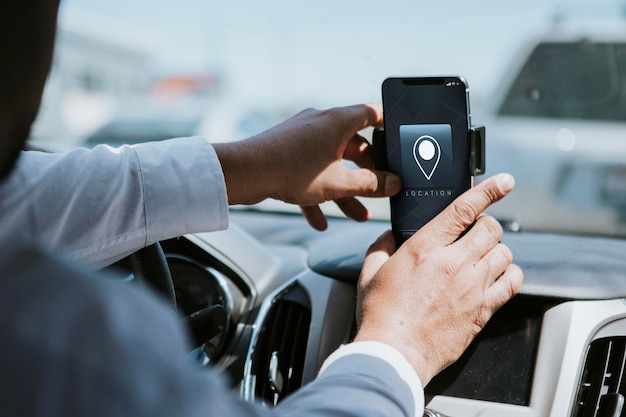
x: 184, y: 188
x: 392, y: 357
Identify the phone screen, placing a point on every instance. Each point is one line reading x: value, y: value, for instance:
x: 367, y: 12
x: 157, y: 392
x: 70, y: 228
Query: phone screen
x: 427, y: 128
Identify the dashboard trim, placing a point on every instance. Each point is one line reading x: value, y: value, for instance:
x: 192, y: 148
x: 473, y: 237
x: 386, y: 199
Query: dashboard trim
x: 248, y: 380
x: 567, y: 331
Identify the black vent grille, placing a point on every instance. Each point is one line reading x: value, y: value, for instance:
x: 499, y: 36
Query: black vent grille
x: 278, y: 361
x: 603, y: 385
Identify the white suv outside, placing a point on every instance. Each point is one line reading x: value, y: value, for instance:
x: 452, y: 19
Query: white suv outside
x: 558, y: 124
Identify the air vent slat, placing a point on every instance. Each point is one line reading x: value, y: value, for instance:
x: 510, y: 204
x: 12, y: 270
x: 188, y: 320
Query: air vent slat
x: 278, y: 360
x: 615, y: 366
x: 611, y: 405
x: 601, y: 389
x: 296, y: 349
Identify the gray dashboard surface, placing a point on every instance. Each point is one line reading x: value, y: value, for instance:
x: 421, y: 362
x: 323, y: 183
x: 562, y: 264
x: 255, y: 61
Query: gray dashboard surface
x: 558, y: 266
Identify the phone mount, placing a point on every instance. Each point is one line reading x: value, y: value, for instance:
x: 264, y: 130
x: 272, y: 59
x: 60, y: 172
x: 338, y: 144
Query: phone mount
x: 476, y: 140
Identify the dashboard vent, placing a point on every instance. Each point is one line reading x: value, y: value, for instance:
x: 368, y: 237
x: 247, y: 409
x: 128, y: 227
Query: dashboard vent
x: 603, y: 385
x: 279, y: 355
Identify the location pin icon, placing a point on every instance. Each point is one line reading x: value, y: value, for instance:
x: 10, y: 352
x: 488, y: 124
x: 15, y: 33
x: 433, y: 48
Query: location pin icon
x: 427, y: 152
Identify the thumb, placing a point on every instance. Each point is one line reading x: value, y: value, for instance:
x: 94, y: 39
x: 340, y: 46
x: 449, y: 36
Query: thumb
x: 369, y: 183
x: 377, y: 254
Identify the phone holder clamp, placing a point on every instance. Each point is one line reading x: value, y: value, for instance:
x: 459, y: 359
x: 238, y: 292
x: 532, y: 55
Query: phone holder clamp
x: 476, y: 139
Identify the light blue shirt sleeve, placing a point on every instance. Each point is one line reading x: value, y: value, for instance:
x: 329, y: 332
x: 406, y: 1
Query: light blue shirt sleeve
x: 101, y: 204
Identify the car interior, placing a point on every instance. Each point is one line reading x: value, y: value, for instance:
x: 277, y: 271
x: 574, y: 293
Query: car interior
x: 267, y: 300
x: 286, y: 297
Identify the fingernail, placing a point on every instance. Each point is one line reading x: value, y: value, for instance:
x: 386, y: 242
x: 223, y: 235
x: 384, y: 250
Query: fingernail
x: 392, y: 184
x: 505, y: 182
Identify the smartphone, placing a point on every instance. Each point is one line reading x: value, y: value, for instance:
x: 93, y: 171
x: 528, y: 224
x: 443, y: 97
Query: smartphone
x: 427, y: 128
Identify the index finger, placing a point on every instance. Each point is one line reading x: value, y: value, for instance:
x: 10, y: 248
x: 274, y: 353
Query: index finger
x: 365, y: 115
x: 463, y: 212
x: 359, y: 151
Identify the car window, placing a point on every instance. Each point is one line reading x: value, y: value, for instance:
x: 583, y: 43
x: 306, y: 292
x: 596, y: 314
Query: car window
x: 582, y: 80
x: 546, y: 77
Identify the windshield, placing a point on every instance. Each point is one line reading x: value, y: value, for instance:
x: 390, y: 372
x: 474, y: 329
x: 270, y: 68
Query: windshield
x: 546, y: 78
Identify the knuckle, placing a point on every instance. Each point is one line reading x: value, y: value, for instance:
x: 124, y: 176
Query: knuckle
x: 329, y: 112
x: 512, y: 287
x: 485, y: 315
x: 492, y: 226
x: 365, y: 182
x: 500, y: 261
x: 509, y: 290
x: 481, y: 317
x: 462, y: 213
x: 516, y: 278
x: 506, y: 253
x: 307, y: 112
x: 493, y: 194
x: 373, y: 184
x: 452, y: 266
x: 490, y: 192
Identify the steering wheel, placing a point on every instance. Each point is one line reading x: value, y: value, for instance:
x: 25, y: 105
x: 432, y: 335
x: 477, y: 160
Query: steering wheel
x: 150, y: 266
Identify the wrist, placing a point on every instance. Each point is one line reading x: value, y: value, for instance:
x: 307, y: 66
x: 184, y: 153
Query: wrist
x: 415, y: 356
x: 247, y: 172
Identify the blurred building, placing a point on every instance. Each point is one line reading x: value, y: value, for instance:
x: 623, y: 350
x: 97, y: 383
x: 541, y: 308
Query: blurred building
x: 91, y: 76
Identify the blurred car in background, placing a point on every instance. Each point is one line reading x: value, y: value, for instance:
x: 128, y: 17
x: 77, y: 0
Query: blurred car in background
x: 559, y: 126
x: 221, y: 122
x: 129, y: 130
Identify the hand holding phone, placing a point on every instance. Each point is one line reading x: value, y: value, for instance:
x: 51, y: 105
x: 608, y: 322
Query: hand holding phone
x: 427, y: 127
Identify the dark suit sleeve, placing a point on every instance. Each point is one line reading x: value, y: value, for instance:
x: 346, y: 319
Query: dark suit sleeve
x: 76, y: 345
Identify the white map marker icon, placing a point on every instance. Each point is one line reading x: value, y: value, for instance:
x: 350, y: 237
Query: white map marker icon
x: 427, y: 153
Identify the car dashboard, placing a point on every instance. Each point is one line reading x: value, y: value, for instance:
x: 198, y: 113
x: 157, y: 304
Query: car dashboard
x: 557, y: 349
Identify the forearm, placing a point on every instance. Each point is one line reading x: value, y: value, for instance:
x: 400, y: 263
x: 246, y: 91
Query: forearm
x: 102, y: 204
